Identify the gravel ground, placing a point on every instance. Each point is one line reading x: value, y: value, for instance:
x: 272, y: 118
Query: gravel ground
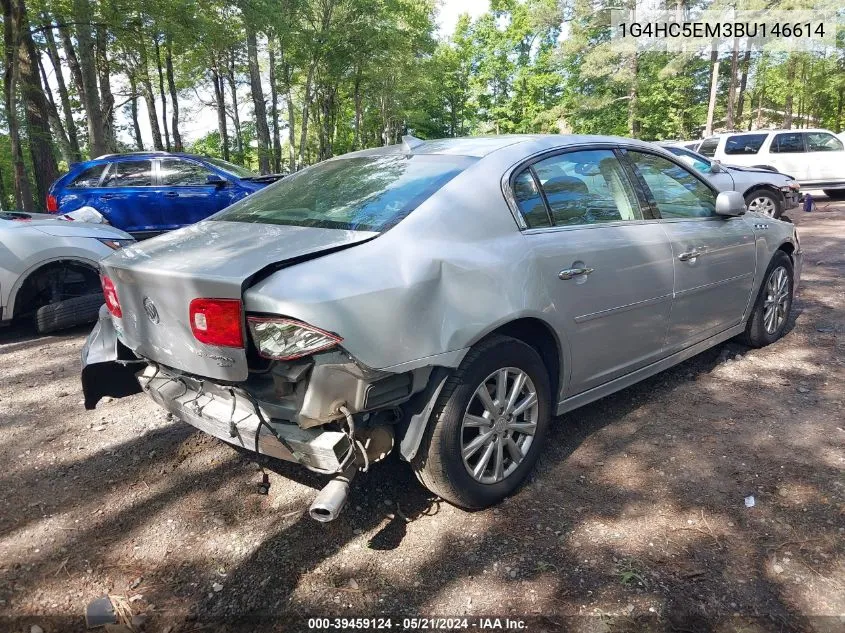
x: 634, y: 520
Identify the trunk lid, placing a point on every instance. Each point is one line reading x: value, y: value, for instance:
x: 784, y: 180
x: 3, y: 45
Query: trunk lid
x: 156, y: 281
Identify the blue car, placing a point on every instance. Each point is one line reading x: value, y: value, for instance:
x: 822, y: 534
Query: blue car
x: 146, y: 193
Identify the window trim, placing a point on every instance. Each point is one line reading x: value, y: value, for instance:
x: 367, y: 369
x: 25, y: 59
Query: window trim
x: 650, y: 196
x: 509, y: 178
x: 159, y: 171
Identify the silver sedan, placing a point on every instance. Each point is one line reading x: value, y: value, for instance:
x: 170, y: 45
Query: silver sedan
x: 445, y: 299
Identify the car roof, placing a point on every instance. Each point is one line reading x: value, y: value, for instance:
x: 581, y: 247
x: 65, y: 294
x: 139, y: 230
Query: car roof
x: 142, y: 155
x: 481, y: 146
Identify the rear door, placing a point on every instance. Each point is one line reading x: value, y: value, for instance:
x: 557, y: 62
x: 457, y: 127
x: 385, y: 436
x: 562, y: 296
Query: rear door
x: 126, y: 196
x: 788, y: 154
x: 607, y: 268
x: 186, y: 195
x: 714, y: 257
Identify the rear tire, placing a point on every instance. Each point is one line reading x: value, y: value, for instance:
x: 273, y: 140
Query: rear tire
x: 444, y: 461
x: 771, y: 311
x: 68, y: 313
x: 835, y: 194
x: 765, y: 202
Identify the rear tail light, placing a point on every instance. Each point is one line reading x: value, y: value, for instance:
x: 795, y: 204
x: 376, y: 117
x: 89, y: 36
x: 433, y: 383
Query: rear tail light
x: 217, y: 322
x: 110, y: 293
x: 286, y: 339
x: 52, y: 204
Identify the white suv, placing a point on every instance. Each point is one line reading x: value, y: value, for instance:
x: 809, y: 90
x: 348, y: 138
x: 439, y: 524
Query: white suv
x: 815, y: 158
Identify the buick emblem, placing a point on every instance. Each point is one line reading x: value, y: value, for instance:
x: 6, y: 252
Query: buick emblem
x: 150, y: 309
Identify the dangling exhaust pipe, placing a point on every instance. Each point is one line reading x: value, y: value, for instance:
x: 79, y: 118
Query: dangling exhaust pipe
x: 329, y: 502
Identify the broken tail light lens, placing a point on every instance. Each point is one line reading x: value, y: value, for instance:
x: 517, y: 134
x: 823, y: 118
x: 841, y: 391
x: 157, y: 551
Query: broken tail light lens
x: 217, y: 322
x: 285, y: 339
x: 110, y: 294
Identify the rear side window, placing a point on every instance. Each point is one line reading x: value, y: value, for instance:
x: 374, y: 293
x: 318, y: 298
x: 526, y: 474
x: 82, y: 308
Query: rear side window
x: 676, y: 192
x: 822, y: 142
x: 181, y: 173
x: 90, y: 177
x: 788, y: 143
x: 364, y: 193
x: 744, y: 143
x: 708, y: 147
x: 136, y: 173
x: 529, y: 200
x: 587, y: 187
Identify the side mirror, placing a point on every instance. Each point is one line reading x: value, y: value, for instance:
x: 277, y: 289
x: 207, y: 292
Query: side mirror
x: 214, y: 179
x: 716, y: 167
x: 730, y: 204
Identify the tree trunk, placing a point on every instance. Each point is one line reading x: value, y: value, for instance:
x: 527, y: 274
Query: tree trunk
x: 714, y: 90
x: 64, y: 96
x: 133, y: 107
x: 840, y: 103
x: 11, y: 30
x: 274, y: 111
x: 356, y: 141
x: 72, y: 61
x: 325, y: 22
x: 55, y: 120
x: 174, y: 97
x: 44, y: 166
x: 162, y: 93
x: 790, y: 81
x: 106, y: 96
x: 633, y: 121
x: 220, y: 102
x: 236, y: 115
x: 743, y: 82
x: 149, y: 95
x: 262, y: 132
x: 97, y: 143
x: 291, y: 129
x: 729, y: 115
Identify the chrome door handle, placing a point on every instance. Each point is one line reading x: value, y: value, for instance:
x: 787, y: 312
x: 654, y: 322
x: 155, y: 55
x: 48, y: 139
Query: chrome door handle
x: 696, y: 252
x: 569, y: 273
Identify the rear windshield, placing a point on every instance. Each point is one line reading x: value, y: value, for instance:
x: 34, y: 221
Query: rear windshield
x: 366, y: 193
x: 744, y: 143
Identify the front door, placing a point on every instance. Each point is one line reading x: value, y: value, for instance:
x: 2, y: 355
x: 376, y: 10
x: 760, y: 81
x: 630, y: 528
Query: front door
x: 826, y: 157
x: 607, y: 269
x: 185, y: 193
x: 789, y: 156
x: 714, y: 256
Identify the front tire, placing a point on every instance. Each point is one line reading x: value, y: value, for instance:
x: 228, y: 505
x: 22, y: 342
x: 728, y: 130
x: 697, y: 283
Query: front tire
x: 835, y: 194
x: 765, y: 202
x: 773, y: 306
x: 488, y: 426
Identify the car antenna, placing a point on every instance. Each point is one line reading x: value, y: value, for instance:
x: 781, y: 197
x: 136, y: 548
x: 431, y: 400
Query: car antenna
x: 410, y: 142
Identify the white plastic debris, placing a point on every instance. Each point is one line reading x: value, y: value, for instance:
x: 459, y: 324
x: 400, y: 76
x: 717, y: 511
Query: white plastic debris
x: 749, y: 502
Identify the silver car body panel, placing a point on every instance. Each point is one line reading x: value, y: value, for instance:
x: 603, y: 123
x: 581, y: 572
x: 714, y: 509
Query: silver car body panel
x: 26, y: 246
x: 454, y: 270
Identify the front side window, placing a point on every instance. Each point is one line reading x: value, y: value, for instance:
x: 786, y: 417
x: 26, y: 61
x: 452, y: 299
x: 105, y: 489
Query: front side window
x: 788, y: 143
x: 230, y: 168
x: 698, y: 163
x: 708, y: 147
x: 676, y: 192
x: 90, y: 177
x: 586, y: 187
x: 135, y: 173
x: 364, y: 193
x: 181, y: 173
x: 822, y: 142
x: 744, y: 143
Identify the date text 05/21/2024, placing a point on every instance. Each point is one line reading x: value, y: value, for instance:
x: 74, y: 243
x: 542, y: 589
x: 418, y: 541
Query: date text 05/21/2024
x: 418, y: 624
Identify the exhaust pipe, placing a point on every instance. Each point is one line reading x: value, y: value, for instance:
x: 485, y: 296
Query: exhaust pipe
x: 329, y: 502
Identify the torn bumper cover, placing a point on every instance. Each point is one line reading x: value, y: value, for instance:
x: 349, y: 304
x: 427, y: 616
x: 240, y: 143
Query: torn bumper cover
x: 108, y: 368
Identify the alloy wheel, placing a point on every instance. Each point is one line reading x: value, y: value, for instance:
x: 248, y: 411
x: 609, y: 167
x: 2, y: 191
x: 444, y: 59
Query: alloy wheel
x: 777, y: 300
x: 499, y: 425
x: 764, y: 205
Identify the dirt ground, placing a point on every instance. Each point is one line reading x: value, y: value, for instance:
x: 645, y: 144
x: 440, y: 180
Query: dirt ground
x: 634, y: 520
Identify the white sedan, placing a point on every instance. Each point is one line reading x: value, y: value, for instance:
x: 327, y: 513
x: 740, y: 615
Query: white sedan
x: 49, y: 268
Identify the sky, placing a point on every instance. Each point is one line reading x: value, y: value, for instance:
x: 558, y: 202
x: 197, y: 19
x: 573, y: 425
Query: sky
x: 198, y: 119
